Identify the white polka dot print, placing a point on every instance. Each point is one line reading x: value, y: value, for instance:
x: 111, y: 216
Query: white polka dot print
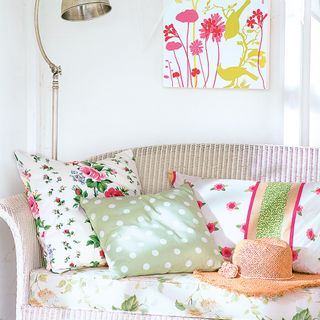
x: 198, y: 250
x: 167, y: 265
x: 111, y: 206
x: 105, y: 218
x: 205, y: 240
x: 119, y: 223
x: 163, y: 241
x: 155, y: 253
x: 190, y: 230
x: 132, y: 255
x: 146, y: 266
x: 98, y: 201
x: 188, y: 263
x: 177, y: 251
x: 195, y: 221
x: 126, y: 211
x: 210, y: 263
x: 124, y: 269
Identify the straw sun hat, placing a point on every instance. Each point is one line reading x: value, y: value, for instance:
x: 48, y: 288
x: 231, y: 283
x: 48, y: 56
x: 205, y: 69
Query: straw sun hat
x: 260, y: 268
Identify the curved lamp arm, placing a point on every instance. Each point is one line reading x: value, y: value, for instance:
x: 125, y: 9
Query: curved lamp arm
x: 54, y: 68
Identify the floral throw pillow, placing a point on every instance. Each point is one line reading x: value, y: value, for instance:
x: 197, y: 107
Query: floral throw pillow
x: 54, y: 191
x: 153, y: 234
x: 235, y: 210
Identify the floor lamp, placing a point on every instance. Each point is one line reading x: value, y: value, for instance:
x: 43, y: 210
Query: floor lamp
x: 71, y: 10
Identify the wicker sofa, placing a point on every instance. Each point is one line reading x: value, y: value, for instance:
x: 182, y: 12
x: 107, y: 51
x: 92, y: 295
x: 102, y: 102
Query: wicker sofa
x: 255, y: 162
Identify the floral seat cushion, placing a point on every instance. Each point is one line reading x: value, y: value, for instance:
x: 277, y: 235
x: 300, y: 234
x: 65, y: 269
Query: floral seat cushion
x: 170, y: 295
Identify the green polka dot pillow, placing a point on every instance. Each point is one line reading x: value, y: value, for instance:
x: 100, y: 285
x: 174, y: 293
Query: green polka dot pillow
x: 153, y: 234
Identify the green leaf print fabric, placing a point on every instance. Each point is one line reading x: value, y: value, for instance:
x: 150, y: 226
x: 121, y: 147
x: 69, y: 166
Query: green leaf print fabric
x: 153, y: 234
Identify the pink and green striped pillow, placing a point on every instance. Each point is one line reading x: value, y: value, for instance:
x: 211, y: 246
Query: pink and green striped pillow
x: 238, y: 209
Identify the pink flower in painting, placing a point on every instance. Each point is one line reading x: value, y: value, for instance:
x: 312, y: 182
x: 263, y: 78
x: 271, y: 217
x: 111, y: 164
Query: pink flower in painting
x: 171, y: 46
x: 196, y: 47
x: 170, y: 32
x: 188, y: 16
x: 257, y: 18
x: 226, y: 252
x: 33, y: 206
x: 310, y: 234
x: 176, y: 75
x: 295, y: 255
x: 219, y: 187
x: 251, y: 22
x: 214, y: 27
x: 212, y: 227
x: 43, y: 234
x: 112, y: 192
x: 93, y: 173
x: 195, y: 72
x: 317, y: 191
x: 232, y: 206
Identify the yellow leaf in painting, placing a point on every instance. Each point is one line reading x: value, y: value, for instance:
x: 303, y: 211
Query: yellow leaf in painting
x: 263, y: 61
x: 244, y: 84
x: 178, y: 1
x: 255, y: 52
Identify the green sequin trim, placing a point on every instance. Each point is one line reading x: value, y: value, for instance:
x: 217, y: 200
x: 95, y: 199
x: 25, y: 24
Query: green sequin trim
x: 272, y: 210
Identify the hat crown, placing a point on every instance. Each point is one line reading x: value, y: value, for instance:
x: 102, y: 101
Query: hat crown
x: 264, y: 259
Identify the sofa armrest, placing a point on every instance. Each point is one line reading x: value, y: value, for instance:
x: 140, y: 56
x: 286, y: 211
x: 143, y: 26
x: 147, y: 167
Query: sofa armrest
x: 15, y: 212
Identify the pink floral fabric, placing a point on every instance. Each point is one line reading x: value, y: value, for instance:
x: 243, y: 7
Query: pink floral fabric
x: 54, y: 190
x: 225, y: 206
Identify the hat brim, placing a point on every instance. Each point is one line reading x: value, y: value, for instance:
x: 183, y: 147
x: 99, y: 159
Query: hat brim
x: 259, y: 287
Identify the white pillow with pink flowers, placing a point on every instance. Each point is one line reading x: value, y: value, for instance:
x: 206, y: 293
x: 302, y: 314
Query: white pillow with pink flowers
x: 55, y: 189
x: 235, y: 210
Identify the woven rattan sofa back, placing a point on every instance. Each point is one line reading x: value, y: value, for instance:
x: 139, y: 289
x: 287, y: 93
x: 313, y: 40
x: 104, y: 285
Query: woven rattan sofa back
x: 245, y: 162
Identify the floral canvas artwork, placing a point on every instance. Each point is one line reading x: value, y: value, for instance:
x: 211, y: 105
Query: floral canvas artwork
x: 216, y: 44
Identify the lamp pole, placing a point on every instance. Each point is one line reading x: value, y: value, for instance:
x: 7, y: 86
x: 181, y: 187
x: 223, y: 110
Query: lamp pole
x: 56, y: 72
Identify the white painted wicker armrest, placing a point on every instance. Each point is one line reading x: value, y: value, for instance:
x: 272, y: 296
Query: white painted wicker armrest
x: 15, y: 212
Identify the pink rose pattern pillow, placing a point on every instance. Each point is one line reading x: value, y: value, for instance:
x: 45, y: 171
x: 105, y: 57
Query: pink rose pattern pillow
x: 54, y: 191
x: 237, y: 210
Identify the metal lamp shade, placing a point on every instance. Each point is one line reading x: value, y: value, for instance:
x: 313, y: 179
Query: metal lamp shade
x: 79, y: 10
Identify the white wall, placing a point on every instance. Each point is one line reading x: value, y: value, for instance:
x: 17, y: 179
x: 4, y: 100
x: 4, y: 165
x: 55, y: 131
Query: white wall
x: 13, y: 134
x: 112, y: 95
